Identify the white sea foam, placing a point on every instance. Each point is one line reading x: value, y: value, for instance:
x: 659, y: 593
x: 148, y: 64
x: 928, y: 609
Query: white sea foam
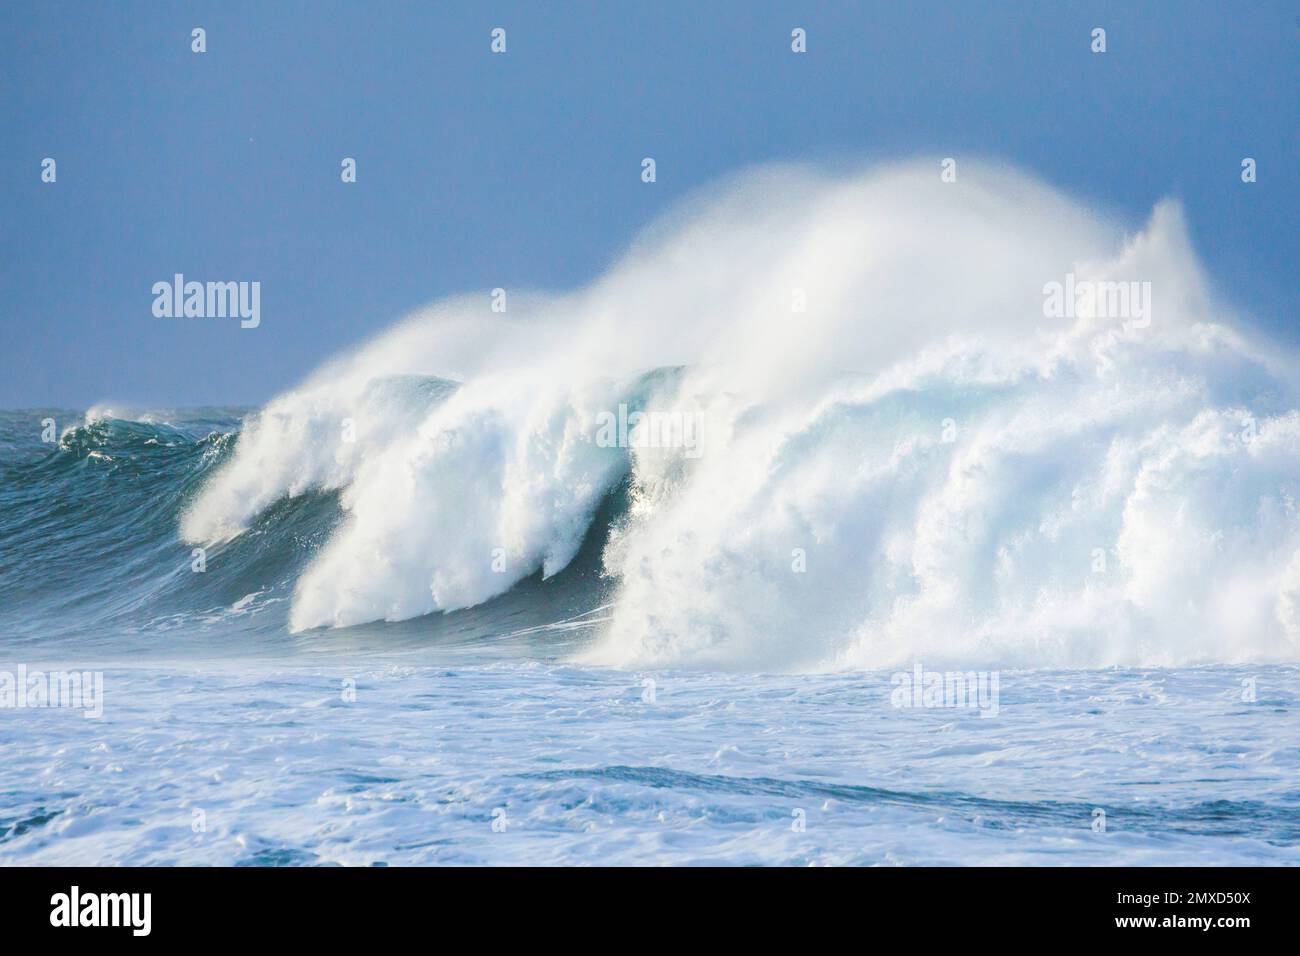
x: 961, y: 477
x: 721, y: 769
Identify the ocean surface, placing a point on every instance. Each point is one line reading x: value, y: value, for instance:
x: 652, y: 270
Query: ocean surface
x: 486, y: 735
x: 848, y: 518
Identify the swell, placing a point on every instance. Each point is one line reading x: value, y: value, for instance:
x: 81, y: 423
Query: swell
x: 88, y: 535
x: 1224, y: 818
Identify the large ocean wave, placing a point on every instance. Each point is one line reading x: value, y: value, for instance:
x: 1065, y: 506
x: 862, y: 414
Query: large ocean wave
x: 898, y: 453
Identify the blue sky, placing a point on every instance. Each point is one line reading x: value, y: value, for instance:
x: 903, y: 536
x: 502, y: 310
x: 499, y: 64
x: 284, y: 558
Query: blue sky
x: 477, y: 170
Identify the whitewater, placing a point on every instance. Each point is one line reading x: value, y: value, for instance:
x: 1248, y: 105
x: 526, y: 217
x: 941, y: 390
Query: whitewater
x: 1171, y: 448
x: 430, y: 606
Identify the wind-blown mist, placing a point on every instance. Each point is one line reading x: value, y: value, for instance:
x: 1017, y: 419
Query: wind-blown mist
x: 920, y: 462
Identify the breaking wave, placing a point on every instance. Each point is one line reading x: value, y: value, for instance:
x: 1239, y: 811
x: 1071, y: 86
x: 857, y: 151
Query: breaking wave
x: 899, y: 453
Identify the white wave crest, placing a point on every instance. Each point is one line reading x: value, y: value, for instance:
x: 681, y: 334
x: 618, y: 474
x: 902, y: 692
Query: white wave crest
x: 901, y: 453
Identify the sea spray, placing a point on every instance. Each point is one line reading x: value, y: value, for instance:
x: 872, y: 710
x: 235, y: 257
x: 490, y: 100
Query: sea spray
x: 946, y: 460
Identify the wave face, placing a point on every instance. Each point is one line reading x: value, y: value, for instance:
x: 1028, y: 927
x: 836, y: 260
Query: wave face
x: 88, y: 543
x: 876, y: 444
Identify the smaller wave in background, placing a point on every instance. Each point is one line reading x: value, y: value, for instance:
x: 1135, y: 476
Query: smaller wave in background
x: 88, y: 535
